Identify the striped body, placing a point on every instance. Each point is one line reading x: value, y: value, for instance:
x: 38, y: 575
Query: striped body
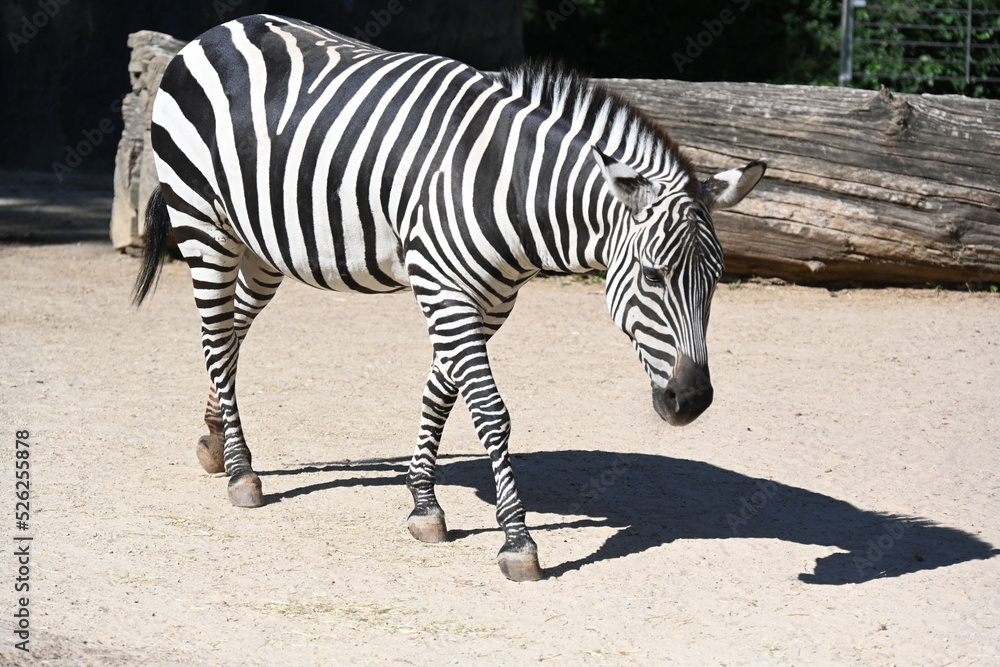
x: 284, y: 149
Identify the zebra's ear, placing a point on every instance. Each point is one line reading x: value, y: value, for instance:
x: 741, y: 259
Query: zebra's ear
x: 627, y: 185
x: 727, y: 189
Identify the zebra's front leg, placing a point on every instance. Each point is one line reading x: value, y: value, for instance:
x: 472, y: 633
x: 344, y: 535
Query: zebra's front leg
x: 518, y: 558
x: 426, y: 522
x: 459, y: 330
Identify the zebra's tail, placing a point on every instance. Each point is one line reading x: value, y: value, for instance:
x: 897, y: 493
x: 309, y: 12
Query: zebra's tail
x: 157, y: 229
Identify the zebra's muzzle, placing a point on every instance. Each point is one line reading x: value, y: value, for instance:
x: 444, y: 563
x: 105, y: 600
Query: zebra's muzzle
x: 688, y: 393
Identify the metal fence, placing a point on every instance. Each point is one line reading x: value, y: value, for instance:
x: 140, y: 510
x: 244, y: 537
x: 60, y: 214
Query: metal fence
x: 921, y: 42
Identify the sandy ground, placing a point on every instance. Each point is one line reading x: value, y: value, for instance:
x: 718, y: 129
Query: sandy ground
x: 837, y: 504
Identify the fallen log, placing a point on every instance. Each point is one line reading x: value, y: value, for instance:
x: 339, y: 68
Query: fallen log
x: 862, y: 187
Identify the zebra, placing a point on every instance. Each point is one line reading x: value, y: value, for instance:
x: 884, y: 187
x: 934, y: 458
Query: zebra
x: 285, y: 149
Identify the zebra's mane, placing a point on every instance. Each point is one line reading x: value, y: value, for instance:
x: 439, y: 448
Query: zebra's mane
x: 617, y: 122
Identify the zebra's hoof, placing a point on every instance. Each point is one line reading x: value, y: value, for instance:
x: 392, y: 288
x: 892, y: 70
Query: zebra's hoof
x: 245, y: 490
x: 428, y: 527
x: 209, y: 450
x: 520, y: 565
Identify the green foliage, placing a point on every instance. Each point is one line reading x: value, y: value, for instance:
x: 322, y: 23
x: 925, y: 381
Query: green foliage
x: 939, y: 68
x: 813, y: 38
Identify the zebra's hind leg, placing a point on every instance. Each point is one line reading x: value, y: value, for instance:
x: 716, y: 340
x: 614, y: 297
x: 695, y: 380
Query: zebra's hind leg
x: 215, y: 258
x: 426, y: 522
x: 209, y: 447
x: 255, y: 286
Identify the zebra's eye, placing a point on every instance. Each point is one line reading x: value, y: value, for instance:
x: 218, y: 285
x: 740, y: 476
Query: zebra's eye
x: 652, y: 277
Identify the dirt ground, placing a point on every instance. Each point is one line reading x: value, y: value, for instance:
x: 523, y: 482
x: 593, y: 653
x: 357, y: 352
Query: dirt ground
x: 837, y: 504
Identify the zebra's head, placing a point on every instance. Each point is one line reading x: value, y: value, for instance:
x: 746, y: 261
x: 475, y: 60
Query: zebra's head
x: 662, y: 273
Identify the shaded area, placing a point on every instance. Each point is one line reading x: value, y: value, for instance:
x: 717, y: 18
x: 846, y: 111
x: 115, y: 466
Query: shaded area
x: 655, y: 500
x: 716, y: 40
x: 37, y: 208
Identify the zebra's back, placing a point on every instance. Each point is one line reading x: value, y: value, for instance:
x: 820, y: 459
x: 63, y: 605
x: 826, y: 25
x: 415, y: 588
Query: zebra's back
x: 318, y: 151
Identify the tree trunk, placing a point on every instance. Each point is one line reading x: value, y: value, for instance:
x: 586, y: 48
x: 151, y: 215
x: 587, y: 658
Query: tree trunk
x: 135, y: 172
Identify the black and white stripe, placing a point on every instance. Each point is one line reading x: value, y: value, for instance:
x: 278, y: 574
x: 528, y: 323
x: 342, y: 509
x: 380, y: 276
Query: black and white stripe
x: 284, y: 149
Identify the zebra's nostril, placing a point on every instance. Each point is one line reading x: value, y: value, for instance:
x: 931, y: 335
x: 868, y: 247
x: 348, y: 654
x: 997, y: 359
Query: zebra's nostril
x: 670, y: 397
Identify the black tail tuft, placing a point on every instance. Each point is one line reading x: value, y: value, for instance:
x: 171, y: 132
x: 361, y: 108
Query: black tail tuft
x: 157, y: 228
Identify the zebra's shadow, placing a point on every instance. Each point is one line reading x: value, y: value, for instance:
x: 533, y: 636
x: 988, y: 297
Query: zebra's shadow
x: 654, y: 500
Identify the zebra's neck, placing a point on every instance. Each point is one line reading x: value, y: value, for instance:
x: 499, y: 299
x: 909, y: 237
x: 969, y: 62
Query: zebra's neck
x: 569, y: 221
x: 564, y: 214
